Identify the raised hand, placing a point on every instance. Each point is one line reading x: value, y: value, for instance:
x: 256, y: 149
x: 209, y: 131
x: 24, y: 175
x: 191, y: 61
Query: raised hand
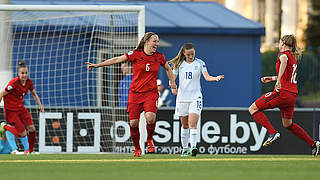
x: 91, y: 65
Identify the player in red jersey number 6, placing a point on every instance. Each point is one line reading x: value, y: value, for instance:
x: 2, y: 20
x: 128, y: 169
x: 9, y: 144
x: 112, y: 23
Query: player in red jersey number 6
x: 284, y: 95
x: 143, y: 92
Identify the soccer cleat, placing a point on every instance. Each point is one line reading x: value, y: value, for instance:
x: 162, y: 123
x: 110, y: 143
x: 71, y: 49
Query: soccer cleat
x: 137, y: 153
x: 185, y: 152
x: 14, y: 152
x: 2, y: 130
x: 271, y: 138
x: 315, y: 148
x: 151, y: 147
x: 193, y: 151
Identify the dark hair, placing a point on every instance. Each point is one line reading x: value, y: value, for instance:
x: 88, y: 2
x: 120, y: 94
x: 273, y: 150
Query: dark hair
x: 291, y: 42
x: 176, y: 62
x: 143, y: 40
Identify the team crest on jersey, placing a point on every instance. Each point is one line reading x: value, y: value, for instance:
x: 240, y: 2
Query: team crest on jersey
x: 9, y: 87
x: 130, y: 53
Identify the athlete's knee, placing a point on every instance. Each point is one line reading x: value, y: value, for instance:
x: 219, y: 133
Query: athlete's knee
x: 134, y: 123
x: 23, y: 134
x: 150, y: 117
x: 185, y: 126
x: 286, y: 123
x: 31, y: 128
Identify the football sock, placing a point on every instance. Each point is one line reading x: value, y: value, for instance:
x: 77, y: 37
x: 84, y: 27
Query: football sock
x: 300, y: 133
x: 135, y: 136
x: 184, y: 137
x: 193, y: 137
x: 13, y: 130
x: 262, y: 119
x: 11, y: 140
x: 25, y: 143
x: 31, y: 140
x: 150, y: 130
x: 1, y: 147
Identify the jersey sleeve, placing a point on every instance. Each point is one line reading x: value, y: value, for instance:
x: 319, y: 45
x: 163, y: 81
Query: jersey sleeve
x: 31, y: 87
x: 283, y: 55
x: 175, y: 71
x: 203, y: 66
x: 10, y: 87
x: 163, y: 60
x: 131, y: 55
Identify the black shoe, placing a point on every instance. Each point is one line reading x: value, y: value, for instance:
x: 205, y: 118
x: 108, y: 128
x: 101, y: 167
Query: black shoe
x: 194, y: 151
x: 315, y: 149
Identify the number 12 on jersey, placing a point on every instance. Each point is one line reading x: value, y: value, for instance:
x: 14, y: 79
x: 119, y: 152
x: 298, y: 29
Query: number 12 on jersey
x: 294, y: 74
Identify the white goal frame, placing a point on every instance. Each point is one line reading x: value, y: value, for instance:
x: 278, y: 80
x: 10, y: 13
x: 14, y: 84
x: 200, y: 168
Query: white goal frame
x: 109, y: 8
x: 140, y: 9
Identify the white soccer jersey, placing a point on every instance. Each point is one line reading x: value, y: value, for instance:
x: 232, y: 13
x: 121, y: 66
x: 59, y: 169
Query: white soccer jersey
x: 189, y: 80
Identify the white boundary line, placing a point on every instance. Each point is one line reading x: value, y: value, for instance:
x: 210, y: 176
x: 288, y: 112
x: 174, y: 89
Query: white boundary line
x: 157, y: 160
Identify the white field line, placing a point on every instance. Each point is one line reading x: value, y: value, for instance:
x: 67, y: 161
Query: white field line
x: 155, y: 160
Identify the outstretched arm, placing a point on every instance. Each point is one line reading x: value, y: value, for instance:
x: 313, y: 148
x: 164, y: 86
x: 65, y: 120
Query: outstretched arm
x: 36, y: 97
x: 108, y: 62
x: 3, y: 93
x: 207, y: 77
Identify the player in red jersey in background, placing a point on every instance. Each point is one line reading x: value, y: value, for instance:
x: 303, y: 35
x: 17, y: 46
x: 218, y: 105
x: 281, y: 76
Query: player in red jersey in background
x: 15, y: 112
x: 143, y: 92
x: 284, y: 95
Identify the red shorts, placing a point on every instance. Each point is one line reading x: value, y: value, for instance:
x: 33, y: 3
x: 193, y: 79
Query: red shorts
x: 284, y: 100
x: 19, y: 119
x: 139, y: 102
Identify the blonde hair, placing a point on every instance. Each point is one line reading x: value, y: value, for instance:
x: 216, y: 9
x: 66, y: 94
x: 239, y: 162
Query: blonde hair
x: 176, y: 62
x: 291, y: 42
x: 145, y: 38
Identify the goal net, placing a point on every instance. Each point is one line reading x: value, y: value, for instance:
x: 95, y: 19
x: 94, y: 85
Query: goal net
x: 85, y: 110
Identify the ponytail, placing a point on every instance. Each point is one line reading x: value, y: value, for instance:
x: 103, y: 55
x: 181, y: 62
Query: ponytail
x: 291, y: 42
x: 21, y: 64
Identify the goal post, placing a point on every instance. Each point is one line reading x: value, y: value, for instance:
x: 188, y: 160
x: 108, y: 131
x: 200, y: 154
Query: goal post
x: 83, y: 111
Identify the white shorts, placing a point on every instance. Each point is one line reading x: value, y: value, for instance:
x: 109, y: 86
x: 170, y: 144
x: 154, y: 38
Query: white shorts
x: 185, y: 108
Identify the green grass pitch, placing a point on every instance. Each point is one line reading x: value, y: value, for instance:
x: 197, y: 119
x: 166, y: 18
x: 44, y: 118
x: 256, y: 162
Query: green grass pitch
x: 155, y: 166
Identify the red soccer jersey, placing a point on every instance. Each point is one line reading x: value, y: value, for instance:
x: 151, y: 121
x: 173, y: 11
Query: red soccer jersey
x: 145, y: 69
x: 289, y: 77
x: 16, y: 91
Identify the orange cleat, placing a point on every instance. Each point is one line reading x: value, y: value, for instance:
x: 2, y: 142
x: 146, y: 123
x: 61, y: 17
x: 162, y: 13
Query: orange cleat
x: 137, y: 153
x: 151, y: 147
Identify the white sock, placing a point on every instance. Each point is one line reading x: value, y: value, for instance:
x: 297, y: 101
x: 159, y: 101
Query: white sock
x: 193, y: 137
x: 184, y: 137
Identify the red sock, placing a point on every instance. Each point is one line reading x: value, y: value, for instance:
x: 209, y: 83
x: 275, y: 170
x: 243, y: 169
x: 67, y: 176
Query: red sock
x: 300, y: 133
x: 13, y: 130
x: 31, y: 140
x: 262, y: 119
x: 135, y: 136
x: 150, y: 130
